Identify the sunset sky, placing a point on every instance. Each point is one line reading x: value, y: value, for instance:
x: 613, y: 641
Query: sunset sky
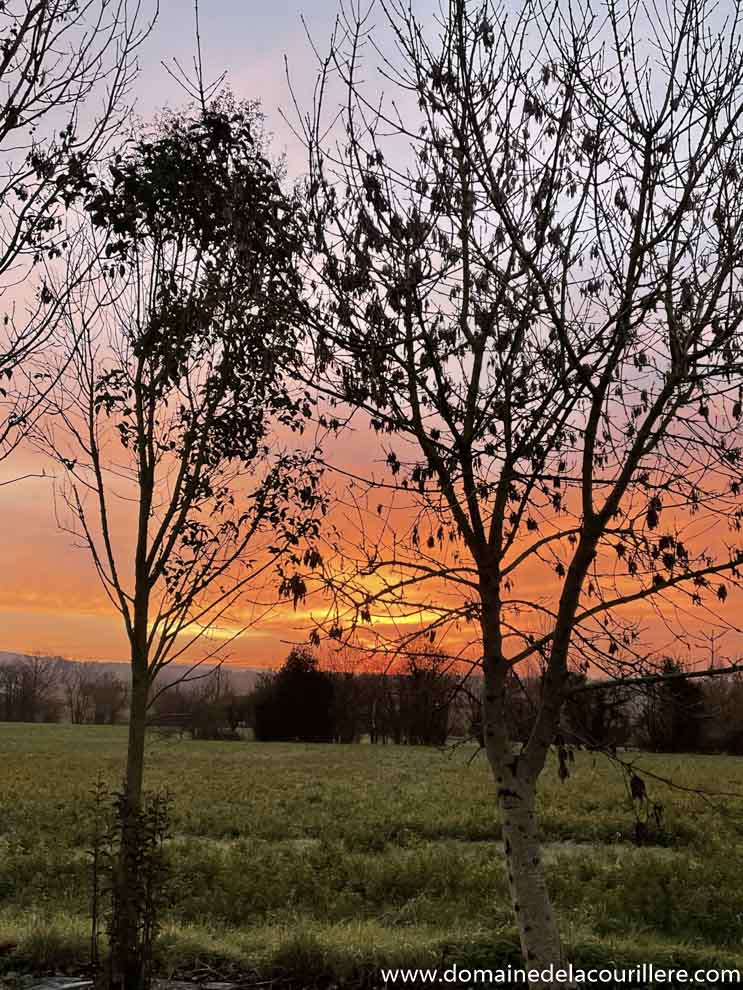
x: 50, y: 597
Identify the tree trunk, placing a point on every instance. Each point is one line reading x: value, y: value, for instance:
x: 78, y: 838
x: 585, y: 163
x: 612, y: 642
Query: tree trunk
x: 128, y: 969
x: 535, y: 918
x: 516, y: 785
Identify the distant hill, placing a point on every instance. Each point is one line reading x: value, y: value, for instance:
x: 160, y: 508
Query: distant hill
x: 243, y: 678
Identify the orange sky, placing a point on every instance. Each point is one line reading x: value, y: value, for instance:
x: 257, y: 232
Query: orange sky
x: 51, y: 599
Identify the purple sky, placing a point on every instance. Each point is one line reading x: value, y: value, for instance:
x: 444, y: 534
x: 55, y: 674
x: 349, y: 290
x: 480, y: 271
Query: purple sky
x: 245, y: 37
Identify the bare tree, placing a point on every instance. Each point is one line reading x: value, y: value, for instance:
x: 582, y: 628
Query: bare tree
x: 110, y: 698
x: 167, y: 412
x: 79, y: 680
x: 529, y: 262
x: 28, y: 689
x: 210, y: 705
x: 425, y: 688
x: 66, y: 69
x: 93, y: 695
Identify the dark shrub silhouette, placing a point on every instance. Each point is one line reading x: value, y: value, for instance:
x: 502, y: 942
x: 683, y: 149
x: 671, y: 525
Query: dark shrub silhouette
x: 297, y: 704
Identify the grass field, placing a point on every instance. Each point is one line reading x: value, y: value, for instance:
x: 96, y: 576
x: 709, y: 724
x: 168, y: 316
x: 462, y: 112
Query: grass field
x: 326, y: 862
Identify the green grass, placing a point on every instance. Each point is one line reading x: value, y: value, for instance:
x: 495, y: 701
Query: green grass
x: 327, y: 862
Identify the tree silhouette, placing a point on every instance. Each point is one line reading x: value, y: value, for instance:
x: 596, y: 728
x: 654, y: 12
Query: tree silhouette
x: 66, y: 69
x: 187, y: 341
x: 672, y: 712
x: 528, y: 259
x: 297, y: 704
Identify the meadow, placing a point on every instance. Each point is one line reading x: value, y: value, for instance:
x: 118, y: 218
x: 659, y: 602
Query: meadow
x: 322, y: 863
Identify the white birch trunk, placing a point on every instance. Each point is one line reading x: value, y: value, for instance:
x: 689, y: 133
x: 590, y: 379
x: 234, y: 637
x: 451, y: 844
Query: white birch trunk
x: 535, y: 917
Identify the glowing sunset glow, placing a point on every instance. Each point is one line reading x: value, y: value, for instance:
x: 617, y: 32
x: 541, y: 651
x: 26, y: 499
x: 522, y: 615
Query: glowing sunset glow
x: 51, y: 599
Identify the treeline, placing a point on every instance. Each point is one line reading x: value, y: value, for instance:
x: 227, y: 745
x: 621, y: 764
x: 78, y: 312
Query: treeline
x: 205, y: 706
x: 426, y: 704
x: 423, y: 703
x: 673, y: 714
x: 50, y: 689
x: 302, y: 702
